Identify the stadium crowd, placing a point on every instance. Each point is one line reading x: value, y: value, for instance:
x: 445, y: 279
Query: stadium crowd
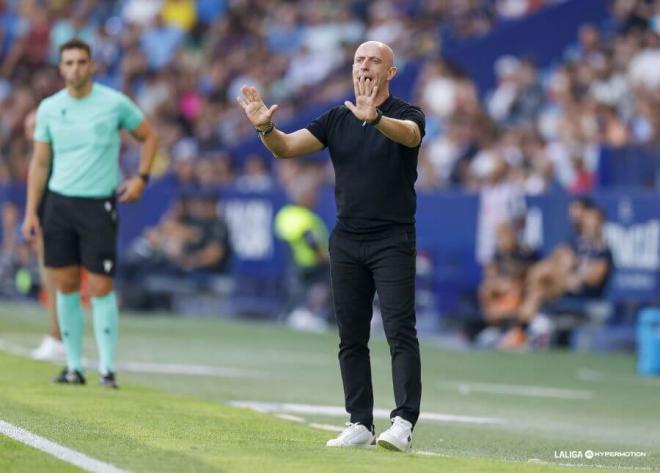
x: 547, y: 126
x: 183, y: 61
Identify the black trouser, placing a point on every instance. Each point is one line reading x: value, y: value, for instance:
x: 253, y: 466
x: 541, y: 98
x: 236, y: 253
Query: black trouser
x: 358, y: 268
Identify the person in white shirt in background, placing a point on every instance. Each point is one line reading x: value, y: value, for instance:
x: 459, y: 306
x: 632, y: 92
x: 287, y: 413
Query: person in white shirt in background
x: 51, y: 347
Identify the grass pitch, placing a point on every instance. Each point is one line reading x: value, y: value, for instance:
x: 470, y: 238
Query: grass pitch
x: 181, y: 378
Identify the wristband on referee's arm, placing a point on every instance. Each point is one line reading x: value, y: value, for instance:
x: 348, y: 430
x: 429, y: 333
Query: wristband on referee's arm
x: 270, y: 127
x: 375, y: 121
x: 145, y: 178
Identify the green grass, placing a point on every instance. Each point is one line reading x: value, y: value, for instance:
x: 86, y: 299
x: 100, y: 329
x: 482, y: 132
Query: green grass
x: 16, y: 457
x: 159, y: 422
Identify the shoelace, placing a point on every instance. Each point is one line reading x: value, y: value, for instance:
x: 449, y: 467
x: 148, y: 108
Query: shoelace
x: 350, y: 427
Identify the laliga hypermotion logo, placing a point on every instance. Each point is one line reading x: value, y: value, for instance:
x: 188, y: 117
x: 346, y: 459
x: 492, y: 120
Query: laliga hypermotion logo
x: 591, y: 454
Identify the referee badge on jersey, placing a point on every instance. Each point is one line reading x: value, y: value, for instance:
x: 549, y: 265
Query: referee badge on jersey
x: 107, y: 265
x: 110, y: 208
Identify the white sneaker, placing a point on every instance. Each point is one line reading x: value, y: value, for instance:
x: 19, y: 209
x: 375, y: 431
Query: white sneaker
x: 50, y: 349
x: 355, y: 435
x: 398, y: 436
x: 306, y: 321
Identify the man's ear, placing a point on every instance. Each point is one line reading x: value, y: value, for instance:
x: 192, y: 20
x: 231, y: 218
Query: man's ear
x: 391, y: 72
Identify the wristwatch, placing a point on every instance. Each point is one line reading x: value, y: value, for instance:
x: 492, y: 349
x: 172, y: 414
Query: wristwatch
x: 376, y: 121
x: 145, y: 178
x: 268, y: 129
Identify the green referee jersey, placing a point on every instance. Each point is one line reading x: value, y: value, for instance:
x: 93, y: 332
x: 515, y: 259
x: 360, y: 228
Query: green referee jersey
x: 84, y: 135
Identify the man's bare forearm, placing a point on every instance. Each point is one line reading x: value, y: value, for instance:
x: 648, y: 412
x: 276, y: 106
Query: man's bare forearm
x: 275, y: 141
x: 148, y: 138
x: 209, y: 256
x: 404, y: 132
x: 148, y: 152
x: 37, y: 178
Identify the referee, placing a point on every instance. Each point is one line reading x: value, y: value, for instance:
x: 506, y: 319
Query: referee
x: 78, y: 132
x: 373, y: 145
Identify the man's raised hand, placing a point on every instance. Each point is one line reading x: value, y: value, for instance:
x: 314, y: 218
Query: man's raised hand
x: 366, y: 91
x: 255, y: 109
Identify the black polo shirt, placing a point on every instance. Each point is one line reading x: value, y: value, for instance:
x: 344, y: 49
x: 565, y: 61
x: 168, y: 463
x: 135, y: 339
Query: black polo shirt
x: 375, y: 177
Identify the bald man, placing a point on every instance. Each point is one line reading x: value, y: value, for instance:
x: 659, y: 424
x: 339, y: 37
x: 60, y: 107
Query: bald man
x: 373, y: 145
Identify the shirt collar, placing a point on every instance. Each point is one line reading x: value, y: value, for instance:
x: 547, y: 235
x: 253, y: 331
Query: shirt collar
x: 386, y: 104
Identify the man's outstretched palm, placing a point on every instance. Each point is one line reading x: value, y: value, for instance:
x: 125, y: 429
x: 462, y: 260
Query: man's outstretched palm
x: 366, y: 91
x: 255, y: 109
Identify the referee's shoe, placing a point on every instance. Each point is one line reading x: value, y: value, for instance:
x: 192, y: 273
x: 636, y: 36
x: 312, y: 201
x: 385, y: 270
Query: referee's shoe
x: 68, y: 376
x: 108, y: 380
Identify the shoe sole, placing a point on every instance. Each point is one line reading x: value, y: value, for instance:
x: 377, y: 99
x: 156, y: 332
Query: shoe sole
x: 390, y: 446
x: 370, y: 445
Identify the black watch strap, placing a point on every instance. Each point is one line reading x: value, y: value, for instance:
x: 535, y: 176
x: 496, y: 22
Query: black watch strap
x: 145, y: 177
x: 266, y: 130
x: 379, y: 115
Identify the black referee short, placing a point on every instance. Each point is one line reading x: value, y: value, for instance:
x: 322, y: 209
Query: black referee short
x: 42, y: 207
x: 81, y: 231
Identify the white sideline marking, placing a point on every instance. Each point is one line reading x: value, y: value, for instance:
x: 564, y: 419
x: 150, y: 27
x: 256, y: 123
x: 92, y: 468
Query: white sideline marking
x: 14, y: 349
x: 152, y: 368
x: 587, y: 374
x: 594, y: 376
x: 192, y: 370
x: 522, y: 390
x: 309, y: 409
x: 291, y: 418
x: 429, y: 454
x: 63, y: 453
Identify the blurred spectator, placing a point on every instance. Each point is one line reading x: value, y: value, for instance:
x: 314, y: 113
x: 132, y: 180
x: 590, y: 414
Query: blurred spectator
x: 579, y: 271
x: 517, y: 291
x: 181, y: 14
x: 184, y: 60
x: 190, y: 238
x: 502, y: 288
x: 518, y: 97
x: 191, y: 244
x: 501, y: 200
x: 184, y: 156
x: 206, y: 246
x: 548, y: 124
x: 159, y: 42
x: 19, y: 271
x: 10, y: 227
x: 141, y: 12
x: 284, y: 30
x: 306, y: 235
x: 72, y: 24
x: 576, y: 210
x: 511, y: 9
x: 256, y: 176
